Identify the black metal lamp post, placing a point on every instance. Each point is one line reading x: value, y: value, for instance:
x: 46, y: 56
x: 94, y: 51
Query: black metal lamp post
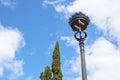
x: 78, y: 23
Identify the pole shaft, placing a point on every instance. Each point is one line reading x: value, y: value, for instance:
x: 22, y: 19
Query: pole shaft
x: 83, y: 63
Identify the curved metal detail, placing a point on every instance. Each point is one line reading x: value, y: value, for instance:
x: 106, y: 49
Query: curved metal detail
x: 81, y: 36
x: 79, y: 21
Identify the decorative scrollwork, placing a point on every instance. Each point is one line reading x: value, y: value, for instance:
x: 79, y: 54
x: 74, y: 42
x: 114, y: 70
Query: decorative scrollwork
x: 82, y: 36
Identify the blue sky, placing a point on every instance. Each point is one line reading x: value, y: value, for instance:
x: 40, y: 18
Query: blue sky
x: 30, y: 28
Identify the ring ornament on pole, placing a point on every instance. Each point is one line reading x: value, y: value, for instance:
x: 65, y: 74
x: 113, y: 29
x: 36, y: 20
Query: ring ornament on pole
x: 82, y: 36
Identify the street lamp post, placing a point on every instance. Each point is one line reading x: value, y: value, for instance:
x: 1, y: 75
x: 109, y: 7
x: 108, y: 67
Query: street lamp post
x: 78, y: 23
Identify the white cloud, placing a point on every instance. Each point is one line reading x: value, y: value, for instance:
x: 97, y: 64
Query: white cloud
x: 104, y: 62
x: 102, y: 59
x: 47, y: 2
x: 11, y: 40
x: 8, y: 3
x: 1, y: 70
x: 70, y: 41
x: 16, y: 68
x: 103, y: 13
x: 30, y: 78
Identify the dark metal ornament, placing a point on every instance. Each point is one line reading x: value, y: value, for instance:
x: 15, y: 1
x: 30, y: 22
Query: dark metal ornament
x: 79, y: 21
x: 80, y: 35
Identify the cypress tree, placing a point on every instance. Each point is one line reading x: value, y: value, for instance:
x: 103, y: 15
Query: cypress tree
x: 46, y: 75
x: 56, y: 72
x: 56, y: 65
x: 42, y: 76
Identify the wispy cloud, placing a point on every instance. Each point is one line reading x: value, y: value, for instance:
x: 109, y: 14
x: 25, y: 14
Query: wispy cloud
x: 8, y: 3
x: 103, y: 13
x: 102, y: 58
x: 30, y: 78
x: 55, y: 2
x: 11, y: 40
x: 16, y: 69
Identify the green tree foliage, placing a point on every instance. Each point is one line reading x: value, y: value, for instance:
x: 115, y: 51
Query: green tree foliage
x: 46, y: 75
x: 42, y: 76
x: 56, y: 72
x: 56, y: 64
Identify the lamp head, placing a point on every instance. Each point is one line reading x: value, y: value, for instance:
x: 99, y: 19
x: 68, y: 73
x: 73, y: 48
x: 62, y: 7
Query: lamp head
x: 79, y: 22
